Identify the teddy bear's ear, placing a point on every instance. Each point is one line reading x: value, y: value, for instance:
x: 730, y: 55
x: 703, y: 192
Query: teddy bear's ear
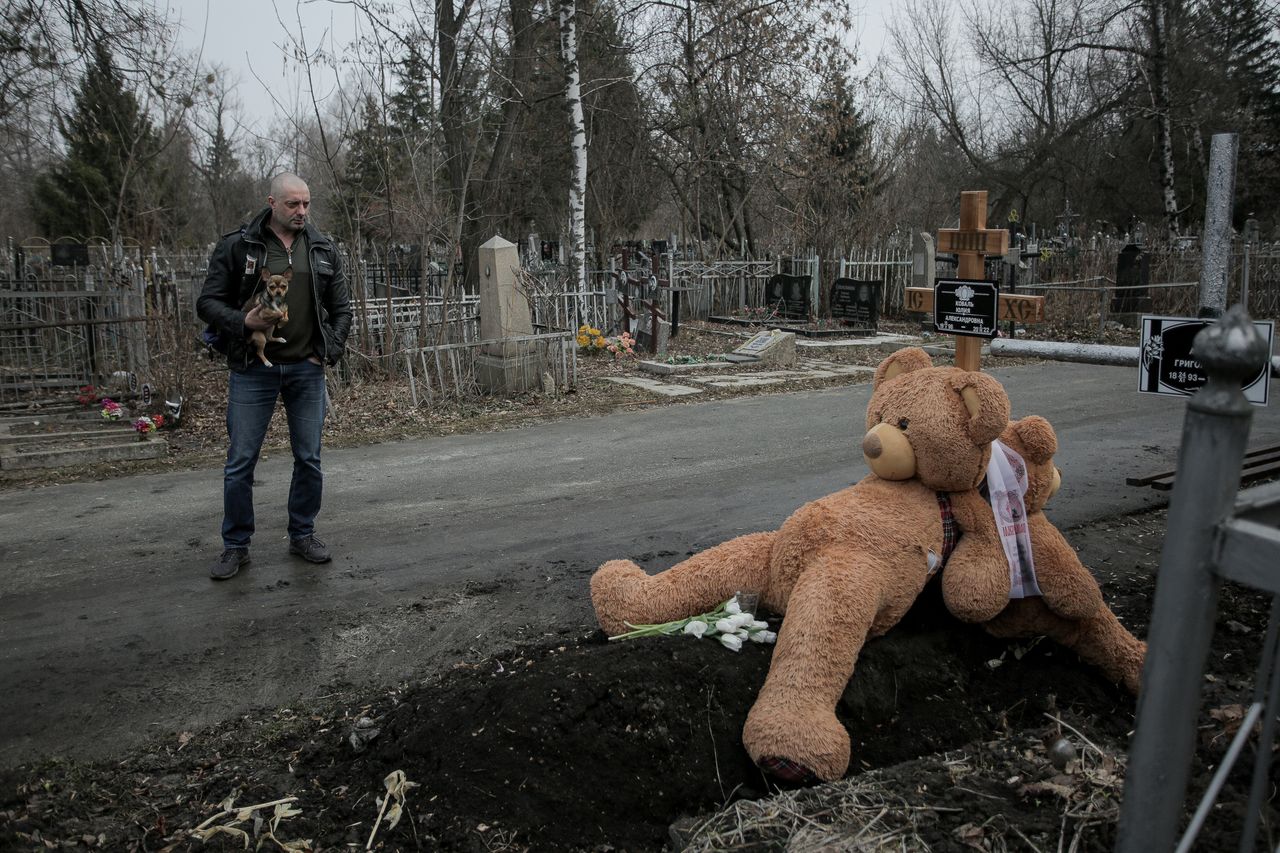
x: 900, y: 362
x: 987, y: 403
x: 1036, y: 437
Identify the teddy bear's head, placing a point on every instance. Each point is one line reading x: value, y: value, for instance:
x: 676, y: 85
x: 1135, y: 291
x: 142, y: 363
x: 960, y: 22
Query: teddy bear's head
x: 1034, y: 440
x: 932, y: 423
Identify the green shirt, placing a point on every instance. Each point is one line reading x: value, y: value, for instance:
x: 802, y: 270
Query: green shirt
x: 299, y: 332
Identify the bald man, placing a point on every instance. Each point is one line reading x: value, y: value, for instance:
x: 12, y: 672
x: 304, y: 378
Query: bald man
x: 279, y: 241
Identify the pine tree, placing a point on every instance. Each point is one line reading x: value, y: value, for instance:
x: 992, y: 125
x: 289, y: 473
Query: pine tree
x: 1237, y: 72
x: 94, y: 189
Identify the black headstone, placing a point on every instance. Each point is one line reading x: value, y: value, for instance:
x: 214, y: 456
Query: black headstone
x: 856, y: 301
x: 788, y: 295
x: 1133, y: 274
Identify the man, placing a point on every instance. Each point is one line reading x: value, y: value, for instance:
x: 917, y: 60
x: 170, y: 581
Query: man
x: 318, y: 315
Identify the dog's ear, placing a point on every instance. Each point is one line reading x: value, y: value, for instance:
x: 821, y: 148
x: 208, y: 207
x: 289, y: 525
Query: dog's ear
x: 287, y: 275
x: 266, y: 273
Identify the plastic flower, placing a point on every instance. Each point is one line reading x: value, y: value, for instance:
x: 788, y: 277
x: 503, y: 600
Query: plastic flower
x: 158, y: 420
x: 144, y: 425
x: 87, y: 395
x: 110, y: 409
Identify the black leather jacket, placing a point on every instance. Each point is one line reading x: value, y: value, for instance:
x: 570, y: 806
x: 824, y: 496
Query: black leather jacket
x: 227, y: 289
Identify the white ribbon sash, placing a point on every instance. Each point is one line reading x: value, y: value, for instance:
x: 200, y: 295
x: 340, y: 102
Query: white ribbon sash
x: 1007, y: 484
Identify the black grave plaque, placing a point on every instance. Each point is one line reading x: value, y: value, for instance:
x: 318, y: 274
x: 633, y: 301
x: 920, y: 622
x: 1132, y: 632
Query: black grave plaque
x: 966, y: 307
x: 1133, y: 274
x: 69, y: 255
x: 551, y: 250
x: 856, y: 301
x: 788, y: 295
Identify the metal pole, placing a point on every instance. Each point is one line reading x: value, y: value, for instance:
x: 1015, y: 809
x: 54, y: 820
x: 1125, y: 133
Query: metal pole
x: 1214, y: 435
x: 1215, y: 262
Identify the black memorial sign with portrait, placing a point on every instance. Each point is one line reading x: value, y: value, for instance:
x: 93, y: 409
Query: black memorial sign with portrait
x: 551, y: 250
x: 788, y: 295
x: 69, y: 255
x: 966, y: 307
x: 856, y: 301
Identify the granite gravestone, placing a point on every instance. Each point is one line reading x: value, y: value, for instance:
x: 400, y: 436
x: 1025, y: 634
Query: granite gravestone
x: 856, y: 302
x: 1133, y: 274
x: 788, y: 295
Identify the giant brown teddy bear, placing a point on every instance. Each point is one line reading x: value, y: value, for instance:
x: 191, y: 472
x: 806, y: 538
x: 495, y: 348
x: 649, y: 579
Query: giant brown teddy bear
x: 842, y: 568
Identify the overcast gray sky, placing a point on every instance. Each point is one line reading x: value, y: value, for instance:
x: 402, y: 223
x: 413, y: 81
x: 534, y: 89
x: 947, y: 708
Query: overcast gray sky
x: 247, y: 38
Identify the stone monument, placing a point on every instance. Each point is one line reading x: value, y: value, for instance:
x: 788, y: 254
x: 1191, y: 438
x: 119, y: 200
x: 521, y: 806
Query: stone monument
x: 504, y: 366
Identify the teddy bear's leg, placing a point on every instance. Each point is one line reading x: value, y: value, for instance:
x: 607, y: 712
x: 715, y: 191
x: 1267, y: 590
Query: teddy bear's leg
x: 621, y: 591
x: 792, y: 730
x: 1069, y: 589
x: 975, y: 580
x: 1099, y: 639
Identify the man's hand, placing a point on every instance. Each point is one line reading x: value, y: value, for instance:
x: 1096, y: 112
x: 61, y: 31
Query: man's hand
x: 260, y: 318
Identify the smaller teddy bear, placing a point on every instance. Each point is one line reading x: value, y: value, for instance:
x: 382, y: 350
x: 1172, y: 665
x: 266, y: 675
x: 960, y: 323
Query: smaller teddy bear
x: 1054, y: 594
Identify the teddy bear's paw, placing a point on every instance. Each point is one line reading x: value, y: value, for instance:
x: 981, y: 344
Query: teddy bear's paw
x: 616, y: 594
x: 787, y: 770
x: 796, y: 745
x: 974, y: 596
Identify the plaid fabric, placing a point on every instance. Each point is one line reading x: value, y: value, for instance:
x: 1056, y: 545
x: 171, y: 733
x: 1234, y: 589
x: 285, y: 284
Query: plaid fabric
x: 950, y: 535
x: 787, y: 771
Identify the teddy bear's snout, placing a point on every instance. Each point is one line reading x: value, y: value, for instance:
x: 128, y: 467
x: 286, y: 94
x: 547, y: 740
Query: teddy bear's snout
x: 888, y: 453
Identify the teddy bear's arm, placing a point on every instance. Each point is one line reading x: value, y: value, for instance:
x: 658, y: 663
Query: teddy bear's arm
x: 621, y: 591
x: 1068, y: 587
x: 975, y: 579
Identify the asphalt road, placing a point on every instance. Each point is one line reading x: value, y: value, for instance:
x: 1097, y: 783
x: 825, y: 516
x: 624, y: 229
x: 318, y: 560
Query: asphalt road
x: 447, y: 549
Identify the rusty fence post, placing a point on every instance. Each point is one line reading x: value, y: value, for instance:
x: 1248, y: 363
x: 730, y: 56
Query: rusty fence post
x: 1214, y: 436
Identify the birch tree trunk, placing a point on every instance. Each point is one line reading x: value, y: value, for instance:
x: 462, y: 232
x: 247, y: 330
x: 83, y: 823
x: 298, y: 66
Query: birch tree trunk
x: 578, y: 144
x: 1159, y: 25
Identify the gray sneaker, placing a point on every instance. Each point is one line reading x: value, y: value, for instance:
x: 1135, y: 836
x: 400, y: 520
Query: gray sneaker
x: 310, y: 549
x: 229, y: 563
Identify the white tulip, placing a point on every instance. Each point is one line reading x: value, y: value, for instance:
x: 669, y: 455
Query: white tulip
x: 696, y: 628
x: 741, y: 620
x: 732, y: 642
x: 758, y: 625
x: 726, y: 626
x: 764, y: 637
x: 732, y: 606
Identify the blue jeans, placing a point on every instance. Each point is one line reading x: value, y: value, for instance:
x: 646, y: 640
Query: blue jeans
x: 250, y: 403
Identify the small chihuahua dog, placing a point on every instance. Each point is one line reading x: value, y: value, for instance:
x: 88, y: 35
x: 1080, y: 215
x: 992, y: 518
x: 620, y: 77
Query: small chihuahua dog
x: 271, y: 297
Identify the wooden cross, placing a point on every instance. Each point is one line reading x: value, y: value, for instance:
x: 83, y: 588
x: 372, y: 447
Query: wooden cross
x: 971, y: 243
